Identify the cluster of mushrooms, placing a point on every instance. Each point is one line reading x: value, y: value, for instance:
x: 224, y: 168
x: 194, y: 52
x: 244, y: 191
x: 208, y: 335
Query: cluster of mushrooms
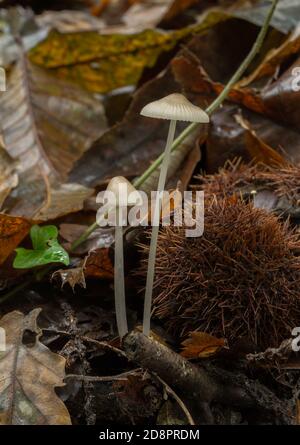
x: 174, y: 107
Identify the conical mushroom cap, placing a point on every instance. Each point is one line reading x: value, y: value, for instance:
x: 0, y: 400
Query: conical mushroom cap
x: 175, y: 107
x: 125, y: 193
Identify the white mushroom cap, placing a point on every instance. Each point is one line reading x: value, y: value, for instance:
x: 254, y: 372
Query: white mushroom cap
x: 175, y: 107
x: 125, y: 193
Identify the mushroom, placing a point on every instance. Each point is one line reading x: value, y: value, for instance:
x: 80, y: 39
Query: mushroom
x: 173, y: 107
x: 125, y: 195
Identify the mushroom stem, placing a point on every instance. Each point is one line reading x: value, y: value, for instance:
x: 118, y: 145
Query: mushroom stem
x: 120, y: 303
x: 155, y: 229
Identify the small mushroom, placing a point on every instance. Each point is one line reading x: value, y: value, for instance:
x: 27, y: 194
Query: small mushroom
x: 125, y: 196
x: 174, y: 107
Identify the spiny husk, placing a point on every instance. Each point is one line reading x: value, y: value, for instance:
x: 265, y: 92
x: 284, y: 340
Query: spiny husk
x: 240, y: 279
x: 235, y: 177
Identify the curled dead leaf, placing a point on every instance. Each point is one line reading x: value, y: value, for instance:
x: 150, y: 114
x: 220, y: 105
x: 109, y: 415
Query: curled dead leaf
x: 201, y: 345
x: 259, y: 150
x: 8, y: 175
x: 99, y: 265
x: 29, y: 376
x: 12, y: 231
x: 73, y: 277
x: 65, y: 199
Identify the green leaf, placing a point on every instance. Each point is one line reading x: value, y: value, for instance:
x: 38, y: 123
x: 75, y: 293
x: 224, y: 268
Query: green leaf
x: 46, y: 249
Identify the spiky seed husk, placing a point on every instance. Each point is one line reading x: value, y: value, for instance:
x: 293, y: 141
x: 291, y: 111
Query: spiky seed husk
x: 236, y: 176
x: 240, y: 279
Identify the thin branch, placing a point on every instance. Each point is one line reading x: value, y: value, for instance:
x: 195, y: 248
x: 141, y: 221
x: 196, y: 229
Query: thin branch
x: 100, y: 344
x: 110, y: 378
x: 170, y: 391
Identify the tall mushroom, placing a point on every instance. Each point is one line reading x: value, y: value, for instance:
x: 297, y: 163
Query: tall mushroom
x: 125, y: 195
x: 174, y: 107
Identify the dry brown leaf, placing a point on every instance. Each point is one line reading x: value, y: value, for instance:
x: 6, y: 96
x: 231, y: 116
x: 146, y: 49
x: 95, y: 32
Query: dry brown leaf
x: 65, y: 199
x: 274, y: 59
x: 258, y: 149
x: 151, y: 13
x: 12, y: 232
x: 201, y: 345
x: 99, y: 265
x: 273, y: 114
x: 8, y: 174
x: 29, y: 375
x: 129, y: 147
x: 73, y: 277
x: 60, y: 123
x: 101, y: 237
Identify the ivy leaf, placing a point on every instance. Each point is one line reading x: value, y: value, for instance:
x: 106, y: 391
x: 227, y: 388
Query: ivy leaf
x: 46, y: 249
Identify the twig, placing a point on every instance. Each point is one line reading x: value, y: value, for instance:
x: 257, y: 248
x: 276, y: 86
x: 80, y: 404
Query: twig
x: 203, y: 384
x: 178, y: 372
x: 170, y: 391
x: 104, y: 345
x: 101, y: 344
x: 110, y: 378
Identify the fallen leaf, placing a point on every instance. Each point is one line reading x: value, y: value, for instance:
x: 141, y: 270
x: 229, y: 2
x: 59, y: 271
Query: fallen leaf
x: 69, y: 21
x: 273, y: 113
x: 29, y: 376
x: 59, y: 124
x: 99, y: 238
x: 29, y: 196
x: 74, y: 276
x: 130, y: 146
x: 98, y: 264
x: 12, y: 231
x: 258, y: 149
x: 274, y: 59
x: 90, y: 58
x: 8, y: 175
x: 285, y: 18
x: 23, y: 21
x: 63, y: 200
x: 201, y: 345
x: 152, y: 12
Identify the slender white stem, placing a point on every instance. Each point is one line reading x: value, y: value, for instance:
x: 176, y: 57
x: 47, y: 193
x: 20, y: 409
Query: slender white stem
x: 155, y: 229
x: 120, y: 303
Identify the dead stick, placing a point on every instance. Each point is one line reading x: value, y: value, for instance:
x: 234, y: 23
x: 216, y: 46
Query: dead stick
x: 181, y: 374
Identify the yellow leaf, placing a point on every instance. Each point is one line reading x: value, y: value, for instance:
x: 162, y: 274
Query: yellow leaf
x: 101, y: 63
